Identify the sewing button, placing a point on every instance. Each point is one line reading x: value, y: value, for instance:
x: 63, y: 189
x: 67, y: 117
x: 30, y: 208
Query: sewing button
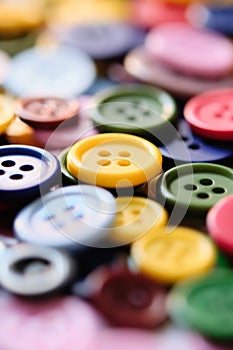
x: 20, y: 133
x: 66, y: 176
x: 7, y: 111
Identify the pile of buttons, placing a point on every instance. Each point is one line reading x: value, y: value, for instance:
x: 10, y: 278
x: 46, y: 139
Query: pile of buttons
x: 116, y: 174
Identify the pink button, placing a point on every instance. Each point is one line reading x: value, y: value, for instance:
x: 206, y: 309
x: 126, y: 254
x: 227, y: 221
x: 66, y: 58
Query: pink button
x: 191, y: 51
x: 220, y: 223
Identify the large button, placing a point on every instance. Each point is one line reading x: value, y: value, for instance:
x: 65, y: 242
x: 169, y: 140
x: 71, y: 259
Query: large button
x: 210, y: 114
x: 220, y: 223
x: 195, y: 187
x: 67, y: 178
x: 168, y: 257
x: 205, y: 304
x: 136, y: 109
x: 26, y: 172
x: 127, y: 299
x: 32, y: 270
x: 62, y: 72
x: 99, y: 85
x: 7, y: 111
x: 68, y: 217
x: 114, y: 160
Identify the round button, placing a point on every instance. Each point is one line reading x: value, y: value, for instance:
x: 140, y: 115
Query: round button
x: 168, y: 257
x: 219, y: 223
x: 136, y: 109
x: 20, y: 133
x: 66, y: 176
x: 62, y: 72
x: 4, y: 65
x: 126, y: 299
x: 114, y: 160
x: 205, y: 304
x: 26, y: 173
x: 99, y: 85
x: 32, y: 270
x: 68, y: 217
x: 195, y: 187
x: 7, y: 111
x: 210, y: 114
x: 46, y: 112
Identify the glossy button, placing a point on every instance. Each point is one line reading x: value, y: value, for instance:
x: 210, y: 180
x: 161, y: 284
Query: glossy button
x: 26, y: 172
x: 210, y: 114
x: 220, y: 223
x: 136, y: 109
x: 99, y: 85
x: 66, y: 176
x: 191, y: 51
x: 205, y: 304
x: 7, y: 110
x: 68, y: 217
x: 170, y: 257
x: 114, y: 160
x: 126, y: 299
x: 20, y: 133
x: 46, y: 112
x: 218, y: 18
x: 32, y: 270
x: 196, y: 187
x: 62, y: 72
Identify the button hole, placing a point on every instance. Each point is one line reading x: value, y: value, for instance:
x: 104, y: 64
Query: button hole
x: 131, y: 118
x: 16, y: 177
x: 124, y: 154
x: 194, y: 146
x: 190, y: 187
x: 218, y: 190
x: 2, y: 172
x: 8, y: 163
x: 26, y: 167
x: 203, y: 195
x: 206, y: 182
x: 103, y: 162
x: 104, y: 153
x: 124, y: 162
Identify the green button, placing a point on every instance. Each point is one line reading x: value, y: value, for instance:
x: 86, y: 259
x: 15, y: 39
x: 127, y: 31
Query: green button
x: 67, y: 178
x: 195, y: 187
x: 205, y: 304
x: 135, y: 109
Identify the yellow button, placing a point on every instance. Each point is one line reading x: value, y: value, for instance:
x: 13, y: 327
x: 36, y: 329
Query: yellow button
x: 20, y: 133
x: 135, y: 217
x: 170, y: 257
x: 114, y: 160
x: 7, y: 110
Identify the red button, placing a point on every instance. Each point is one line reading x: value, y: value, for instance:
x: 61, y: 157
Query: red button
x: 220, y: 223
x: 211, y: 114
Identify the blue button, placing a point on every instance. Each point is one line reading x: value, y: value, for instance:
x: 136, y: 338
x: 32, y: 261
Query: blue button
x: 99, y: 85
x: 219, y: 19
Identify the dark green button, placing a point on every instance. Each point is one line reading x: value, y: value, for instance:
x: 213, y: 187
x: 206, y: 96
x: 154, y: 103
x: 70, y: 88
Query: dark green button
x: 205, y: 304
x: 134, y: 109
x: 67, y: 178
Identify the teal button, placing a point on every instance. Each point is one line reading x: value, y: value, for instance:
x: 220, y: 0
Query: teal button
x: 67, y: 178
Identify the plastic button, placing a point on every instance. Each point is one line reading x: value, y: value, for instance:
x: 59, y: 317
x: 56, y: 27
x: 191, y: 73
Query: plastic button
x: 7, y: 111
x: 220, y: 222
x: 4, y: 65
x: 205, y: 304
x: 62, y: 72
x: 68, y: 217
x: 196, y: 187
x: 99, y: 85
x: 26, y: 173
x: 46, y: 112
x: 211, y: 114
x: 66, y: 176
x: 32, y: 270
x: 170, y: 257
x: 20, y: 133
x: 136, y: 109
x: 114, y: 160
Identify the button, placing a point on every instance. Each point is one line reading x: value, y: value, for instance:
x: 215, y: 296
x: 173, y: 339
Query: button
x: 62, y: 72
x: 46, y: 112
x: 65, y: 323
x: 66, y: 176
x: 205, y: 304
x: 26, y: 173
x: 191, y: 51
x: 220, y: 222
x: 67, y: 218
x: 195, y: 187
x: 99, y: 85
x: 168, y: 257
x: 4, y: 65
x: 114, y: 160
x: 102, y: 40
x: 126, y: 299
x: 32, y: 270
x: 136, y: 109
x: 135, y: 217
x: 7, y: 110
x: 211, y: 114
x: 20, y: 133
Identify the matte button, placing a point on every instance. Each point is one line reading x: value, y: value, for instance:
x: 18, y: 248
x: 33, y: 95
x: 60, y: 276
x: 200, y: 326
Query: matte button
x: 168, y: 257
x: 220, y: 223
x: 211, y: 114
x: 67, y: 218
x: 114, y: 160
x: 7, y: 111
x: 32, y: 270
x: 205, y: 304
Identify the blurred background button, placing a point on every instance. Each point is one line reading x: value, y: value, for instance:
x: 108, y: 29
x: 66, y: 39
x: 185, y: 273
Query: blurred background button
x: 20, y: 133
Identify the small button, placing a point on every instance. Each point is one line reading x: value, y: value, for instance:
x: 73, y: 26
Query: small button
x: 26, y: 173
x: 168, y: 257
x: 220, y: 222
x: 205, y: 304
x: 211, y: 114
x: 32, y: 270
x: 7, y: 111
x: 135, y: 109
x: 195, y: 187
x: 114, y: 160
x: 127, y: 299
x: 67, y: 218
x: 46, y: 112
